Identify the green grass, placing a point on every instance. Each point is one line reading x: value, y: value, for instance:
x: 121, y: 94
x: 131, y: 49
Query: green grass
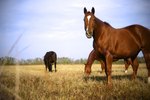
x: 33, y: 83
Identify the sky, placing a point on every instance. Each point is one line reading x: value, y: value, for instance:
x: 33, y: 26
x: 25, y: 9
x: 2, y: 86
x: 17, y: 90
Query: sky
x: 30, y: 28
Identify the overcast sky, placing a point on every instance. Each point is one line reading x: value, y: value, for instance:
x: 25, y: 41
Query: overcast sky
x: 30, y: 28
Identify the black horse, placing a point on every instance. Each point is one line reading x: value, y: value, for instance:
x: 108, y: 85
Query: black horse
x: 49, y: 59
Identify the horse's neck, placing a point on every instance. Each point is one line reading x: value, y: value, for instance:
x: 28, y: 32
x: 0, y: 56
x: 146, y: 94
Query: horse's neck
x: 101, y: 28
x: 98, y: 29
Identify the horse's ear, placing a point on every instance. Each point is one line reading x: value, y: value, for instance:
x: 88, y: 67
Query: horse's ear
x: 93, y: 10
x: 85, y: 10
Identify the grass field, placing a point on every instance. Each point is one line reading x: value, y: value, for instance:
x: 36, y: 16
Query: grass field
x: 68, y: 83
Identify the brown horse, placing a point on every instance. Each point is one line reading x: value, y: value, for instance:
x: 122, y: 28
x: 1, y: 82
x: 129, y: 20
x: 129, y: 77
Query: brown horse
x: 121, y: 43
x: 93, y: 56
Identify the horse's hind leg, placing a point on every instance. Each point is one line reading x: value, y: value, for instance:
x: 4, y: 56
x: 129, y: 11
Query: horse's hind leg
x: 147, y: 60
x: 126, y: 65
x: 102, y: 66
x: 46, y: 65
x: 135, y: 66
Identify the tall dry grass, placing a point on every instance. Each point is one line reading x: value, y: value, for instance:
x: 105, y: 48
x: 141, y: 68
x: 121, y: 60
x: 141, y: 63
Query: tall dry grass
x: 69, y: 83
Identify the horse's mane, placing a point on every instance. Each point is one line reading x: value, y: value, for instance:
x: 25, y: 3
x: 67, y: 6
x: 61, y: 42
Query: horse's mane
x: 106, y: 23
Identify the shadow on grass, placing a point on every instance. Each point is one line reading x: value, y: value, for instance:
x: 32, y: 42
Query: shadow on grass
x: 114, y: 77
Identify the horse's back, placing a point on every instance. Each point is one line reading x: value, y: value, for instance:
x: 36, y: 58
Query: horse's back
x: 51, y: 56
x: 126, y: 41
x: 143, y: 33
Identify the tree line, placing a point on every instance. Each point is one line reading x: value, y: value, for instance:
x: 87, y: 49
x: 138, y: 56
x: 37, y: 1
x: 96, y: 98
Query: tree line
x: 62, y: 60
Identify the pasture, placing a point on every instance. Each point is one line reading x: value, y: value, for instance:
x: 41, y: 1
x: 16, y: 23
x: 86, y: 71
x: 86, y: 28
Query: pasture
x: 31, y: 82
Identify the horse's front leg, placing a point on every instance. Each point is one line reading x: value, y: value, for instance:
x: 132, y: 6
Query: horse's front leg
x: 109, y: 59
x: 46, y: 66
x: 50, y: 67
x: 55, y: 67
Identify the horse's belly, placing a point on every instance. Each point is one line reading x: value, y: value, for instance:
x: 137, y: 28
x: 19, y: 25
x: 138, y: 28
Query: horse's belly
x: 125, y: 53
x: 119, y: 50
x: 126, y: 48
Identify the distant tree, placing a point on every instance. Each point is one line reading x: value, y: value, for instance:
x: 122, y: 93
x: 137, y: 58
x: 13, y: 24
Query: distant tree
x: 7, y: 61
x: 1, y: 61
x: 22, y: 62
x: 38, y: 61
x: 80, y: 61
x: 64, y: 60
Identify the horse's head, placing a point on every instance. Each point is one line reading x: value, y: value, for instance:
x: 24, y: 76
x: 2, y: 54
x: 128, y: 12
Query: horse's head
x: 87, y: 69
x: 89, y: 22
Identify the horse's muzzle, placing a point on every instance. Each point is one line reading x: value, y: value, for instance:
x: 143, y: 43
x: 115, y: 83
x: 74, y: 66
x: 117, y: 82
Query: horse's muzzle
x: 89, y: 35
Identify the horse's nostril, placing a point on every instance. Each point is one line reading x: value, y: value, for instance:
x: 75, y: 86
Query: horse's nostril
x: 89, y: 34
